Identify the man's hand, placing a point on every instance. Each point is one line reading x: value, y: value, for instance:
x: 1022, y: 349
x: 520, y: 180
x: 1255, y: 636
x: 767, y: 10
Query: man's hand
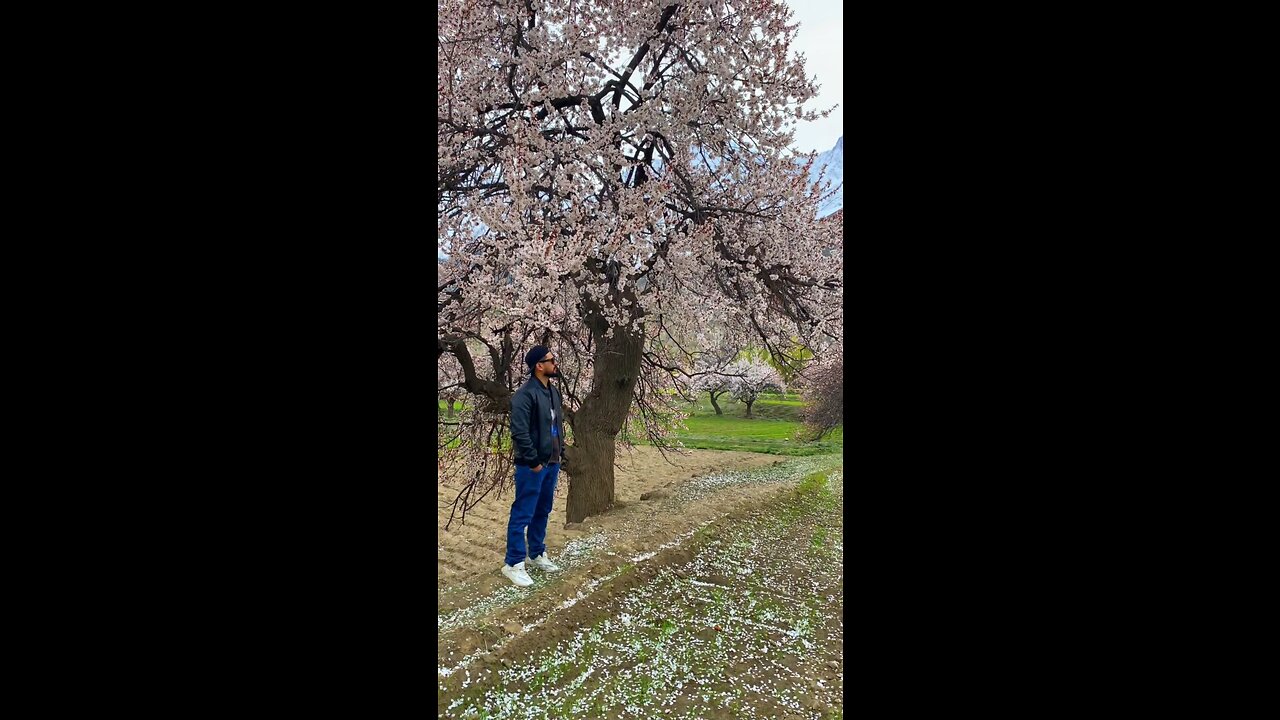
x: 537, y: 468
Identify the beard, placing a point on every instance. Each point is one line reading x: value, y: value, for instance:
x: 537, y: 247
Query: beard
x: 554, y: 374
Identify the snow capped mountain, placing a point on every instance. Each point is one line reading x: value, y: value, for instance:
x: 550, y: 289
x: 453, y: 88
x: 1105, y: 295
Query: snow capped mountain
x: 833, y: 161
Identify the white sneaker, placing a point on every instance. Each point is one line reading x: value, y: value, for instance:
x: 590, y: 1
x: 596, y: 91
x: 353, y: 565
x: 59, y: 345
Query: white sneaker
x: 542, y: 562
x: 517, y: 574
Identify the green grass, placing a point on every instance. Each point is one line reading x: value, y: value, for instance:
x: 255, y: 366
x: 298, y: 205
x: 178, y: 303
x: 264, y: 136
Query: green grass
x: 765, y: 435
x: 457, y: 405
x: 772, y: 428
x: 769, y: 406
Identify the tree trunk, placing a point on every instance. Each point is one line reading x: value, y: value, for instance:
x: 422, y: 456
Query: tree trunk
x: 451, y: 401
x: 597, y: 423
x: 749, y: 404
x: 714, y: 405
x: 590, y: 470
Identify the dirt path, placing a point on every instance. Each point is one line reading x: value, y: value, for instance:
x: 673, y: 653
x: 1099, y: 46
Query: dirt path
x: 740, y: 617
x: 471, y: 553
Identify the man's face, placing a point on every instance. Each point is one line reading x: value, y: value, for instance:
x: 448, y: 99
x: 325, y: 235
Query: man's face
x: 547, y: 366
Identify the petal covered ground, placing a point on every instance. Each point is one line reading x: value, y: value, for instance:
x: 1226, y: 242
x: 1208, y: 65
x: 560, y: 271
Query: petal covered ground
x: 741, y: 618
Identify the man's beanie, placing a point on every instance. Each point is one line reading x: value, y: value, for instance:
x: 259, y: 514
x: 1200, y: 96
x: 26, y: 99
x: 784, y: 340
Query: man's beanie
x: 534, y: 355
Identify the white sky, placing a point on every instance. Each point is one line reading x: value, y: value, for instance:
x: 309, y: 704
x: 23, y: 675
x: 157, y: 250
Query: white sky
x: 821, y: 39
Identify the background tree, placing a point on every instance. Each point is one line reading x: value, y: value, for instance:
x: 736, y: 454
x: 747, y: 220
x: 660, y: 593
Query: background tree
x: 749, y: 378
x: 789, y: 365
x: 715, y: 385
x: 824, y: 395
x: 614, y: 176
x: 709, y: 370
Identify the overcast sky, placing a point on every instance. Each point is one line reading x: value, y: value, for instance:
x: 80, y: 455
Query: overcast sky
x: 821, y: 39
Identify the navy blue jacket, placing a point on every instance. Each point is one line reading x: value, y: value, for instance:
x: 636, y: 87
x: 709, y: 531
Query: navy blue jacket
x: 531, y: 423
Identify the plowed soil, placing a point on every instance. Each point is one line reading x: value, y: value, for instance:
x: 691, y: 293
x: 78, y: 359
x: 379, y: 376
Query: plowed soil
x: 473, y: 553
x: 720, y: 597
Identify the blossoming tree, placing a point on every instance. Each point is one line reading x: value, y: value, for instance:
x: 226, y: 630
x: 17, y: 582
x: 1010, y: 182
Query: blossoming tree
x: 709, y: 371
x: 749, y: 378
x: 824, y: 393
x: 615, y: 178
x: 450, y: 387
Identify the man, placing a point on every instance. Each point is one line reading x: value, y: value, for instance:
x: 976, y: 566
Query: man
x: 536, y: 434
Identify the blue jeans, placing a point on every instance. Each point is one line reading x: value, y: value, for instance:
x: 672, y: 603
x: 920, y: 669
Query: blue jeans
x: 532, y: 507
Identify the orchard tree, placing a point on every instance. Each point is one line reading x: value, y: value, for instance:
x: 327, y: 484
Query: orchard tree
x: 614, y: 179
x: 709, y: 371
x: 824, y: 395
x: 749, y: 378
x: 715, y: 385
x: 790, y: 365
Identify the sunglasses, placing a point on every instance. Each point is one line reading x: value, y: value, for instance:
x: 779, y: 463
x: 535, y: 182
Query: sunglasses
x: 550, y: 360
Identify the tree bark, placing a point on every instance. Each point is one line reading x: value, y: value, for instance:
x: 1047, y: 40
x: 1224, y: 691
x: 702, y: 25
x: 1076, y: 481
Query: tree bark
x: 749, y: 404
x: 590, y: 471
x: 450, y: 402
x: 597, y: 423
x: 714, y: 405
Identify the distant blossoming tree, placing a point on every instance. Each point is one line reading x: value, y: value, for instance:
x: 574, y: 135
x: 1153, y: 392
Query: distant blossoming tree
x: 614, y: 179
x: 715, y: 385
x: 749, y: 378
x: 824, y: 395
x: 709, y: 370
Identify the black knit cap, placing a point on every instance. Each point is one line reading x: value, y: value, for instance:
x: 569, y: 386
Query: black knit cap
x: 534, y: 355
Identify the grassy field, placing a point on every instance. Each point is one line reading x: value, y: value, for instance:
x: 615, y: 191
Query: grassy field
x: 772, y: 428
